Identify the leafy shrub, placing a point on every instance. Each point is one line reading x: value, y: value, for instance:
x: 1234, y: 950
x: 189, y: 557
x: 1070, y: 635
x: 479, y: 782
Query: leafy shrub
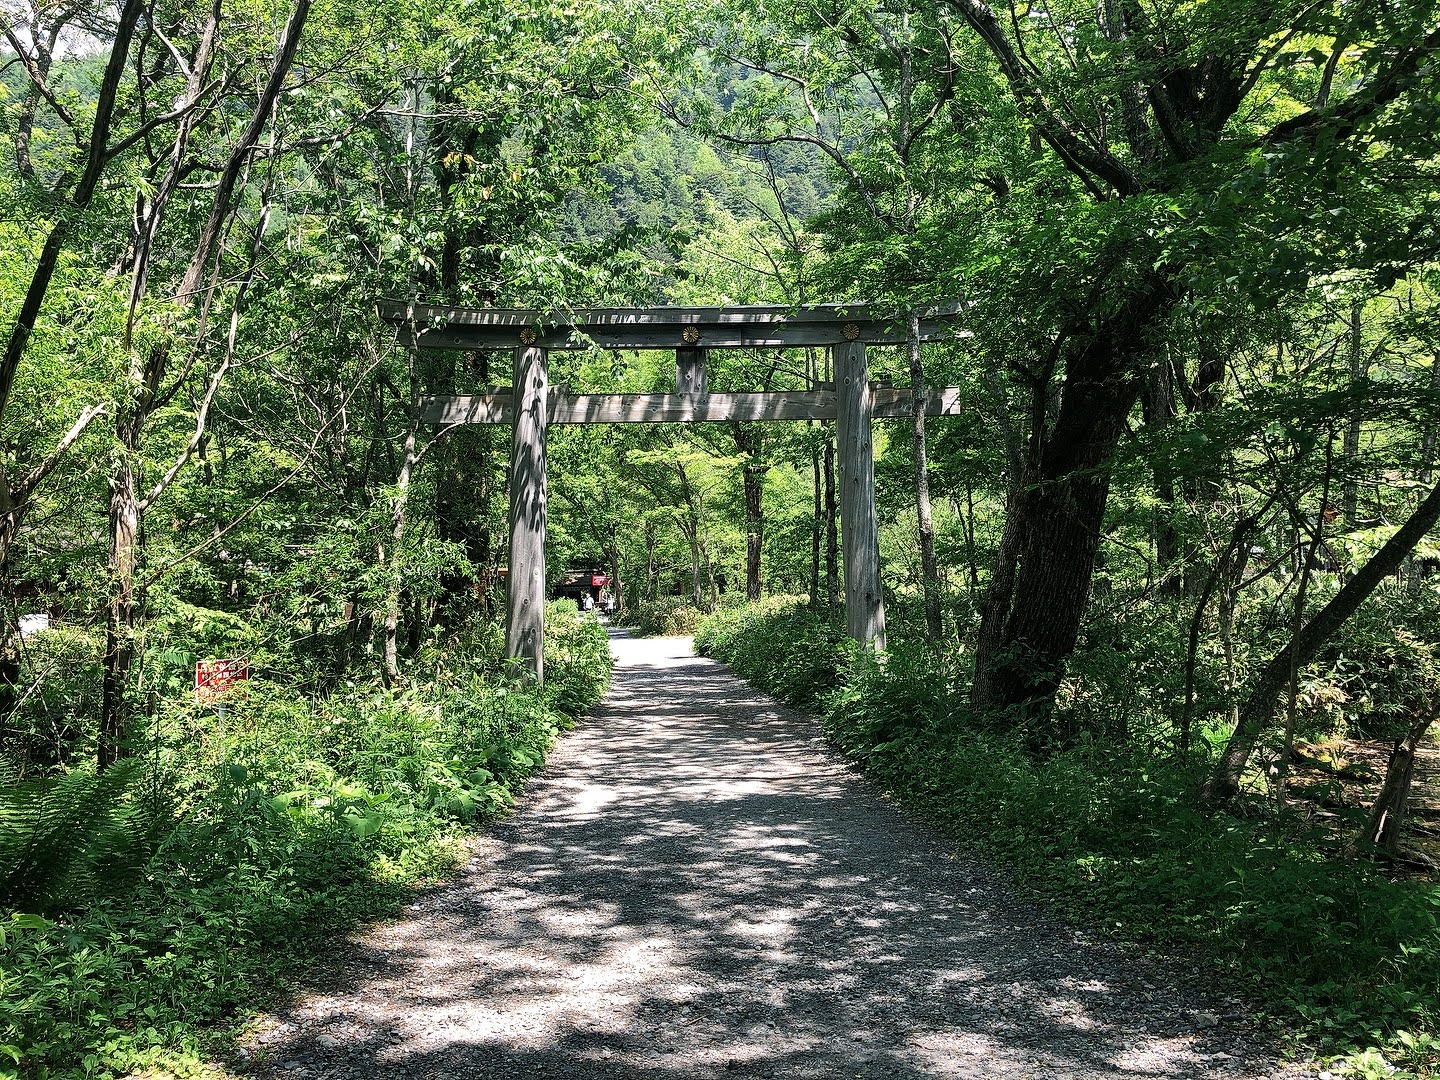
x: 577, y: 658
x: 779, y: 645
x: 665, y: 616
x: 1380, y: 672
x: 291, y: 819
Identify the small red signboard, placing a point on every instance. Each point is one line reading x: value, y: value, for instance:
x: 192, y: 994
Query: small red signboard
x: 214, y: 677
x: 599, y: 580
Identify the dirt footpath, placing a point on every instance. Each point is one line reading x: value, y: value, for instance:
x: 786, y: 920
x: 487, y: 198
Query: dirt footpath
x: 696, y: 887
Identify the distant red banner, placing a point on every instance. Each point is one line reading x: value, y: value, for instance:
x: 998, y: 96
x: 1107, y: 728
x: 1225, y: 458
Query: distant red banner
x: 214, y: 677
x: 599, y: 580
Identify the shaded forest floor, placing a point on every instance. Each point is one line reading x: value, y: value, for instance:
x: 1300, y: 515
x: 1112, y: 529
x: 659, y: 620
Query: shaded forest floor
x: 1337, y: 781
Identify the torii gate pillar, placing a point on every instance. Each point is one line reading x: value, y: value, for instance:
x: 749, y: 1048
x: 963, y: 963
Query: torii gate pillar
x: 525, y: 583
x: 859, y: 529
x: 692, y: 332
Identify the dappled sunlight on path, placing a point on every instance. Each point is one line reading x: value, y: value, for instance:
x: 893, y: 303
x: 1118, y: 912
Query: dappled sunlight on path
x: 695, y: 886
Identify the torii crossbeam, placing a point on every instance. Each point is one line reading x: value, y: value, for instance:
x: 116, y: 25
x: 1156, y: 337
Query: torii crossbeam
x: 531, y: 406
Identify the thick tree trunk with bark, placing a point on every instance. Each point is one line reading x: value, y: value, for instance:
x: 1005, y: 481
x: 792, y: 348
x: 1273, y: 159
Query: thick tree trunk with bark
x: 1060, y: 512
x: 996, y: 604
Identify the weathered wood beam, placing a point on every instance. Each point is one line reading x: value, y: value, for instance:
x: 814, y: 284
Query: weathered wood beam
x: 690, y: 371
x: 565, y: 408
x: 433, y: 327
x: 859, y: 528
x: 525, y: 580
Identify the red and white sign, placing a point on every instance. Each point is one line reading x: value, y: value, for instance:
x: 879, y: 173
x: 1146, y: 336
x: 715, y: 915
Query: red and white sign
x: 599, y: 580
x: 214, y: 677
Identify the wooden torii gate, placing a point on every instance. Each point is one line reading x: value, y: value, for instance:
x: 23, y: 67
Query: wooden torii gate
x: 532, y: 405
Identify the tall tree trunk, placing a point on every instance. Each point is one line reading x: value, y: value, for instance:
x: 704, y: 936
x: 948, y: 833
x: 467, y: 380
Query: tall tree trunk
x: 1350, y: 497
x: 239, y: 157
x: 995, y: 606
x: 399, y: 513
x: 124, y: 521
x: 1430, y: 427
x: 749, y: 441
x: 754, y: 529
x: 79, y: 200
x: 1061, y: 510
x: 925, y: 522
x: 832, y: 524
x: 1259, y: 705
x: 816, y: 528
x: 650, y: 583
x: 972, y: 564
x: 612, y: 562
x: 1204, y: 394
x: 1158, y: 409
x: 16, y: 490
x: 1307, y: 565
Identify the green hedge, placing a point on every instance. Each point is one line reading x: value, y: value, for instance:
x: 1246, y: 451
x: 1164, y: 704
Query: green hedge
x: 1114, y: 837
x: 278, y: 827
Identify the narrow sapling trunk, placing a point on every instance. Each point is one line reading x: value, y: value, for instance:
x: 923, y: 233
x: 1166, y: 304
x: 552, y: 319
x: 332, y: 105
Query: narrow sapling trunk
x: 120, y: 624
x: 1387, y: 815
x: 1259, y: 705
x: 816, y: 527
x: 1307, y: 563
x: 832, y: 525
x: 749, y: 441
x: 1350, y: 498
x: 617, y: 585
x: 925, y: 521
x: 1158, y: 408
x: 650, y: 573
x: 399, y: 515
x: 754, y: 530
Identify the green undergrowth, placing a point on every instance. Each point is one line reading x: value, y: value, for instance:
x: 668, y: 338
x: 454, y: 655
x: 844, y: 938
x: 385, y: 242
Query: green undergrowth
x: 191, y: 882
x: 1335, y: 952
x: 665, y: 616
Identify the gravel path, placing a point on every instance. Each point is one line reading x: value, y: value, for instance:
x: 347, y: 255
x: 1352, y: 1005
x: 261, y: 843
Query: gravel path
x: 696, y: 887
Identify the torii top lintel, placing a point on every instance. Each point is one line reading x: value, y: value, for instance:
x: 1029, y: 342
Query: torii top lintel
x: 733, y: 327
